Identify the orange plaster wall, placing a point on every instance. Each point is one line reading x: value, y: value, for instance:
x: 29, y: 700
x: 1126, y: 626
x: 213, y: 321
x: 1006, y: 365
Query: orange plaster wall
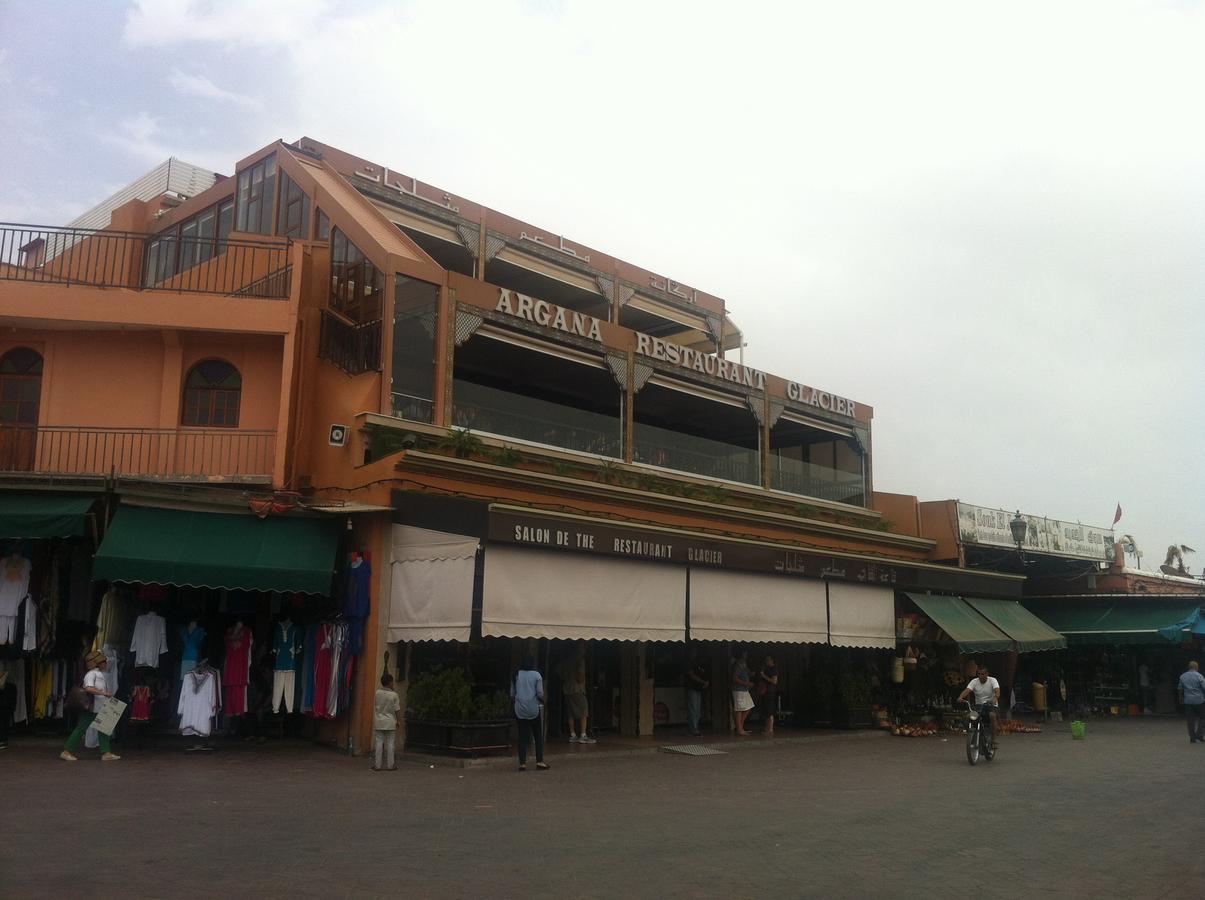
x: 901, y: 510
x: 117, y: 378
x: 939, y: 521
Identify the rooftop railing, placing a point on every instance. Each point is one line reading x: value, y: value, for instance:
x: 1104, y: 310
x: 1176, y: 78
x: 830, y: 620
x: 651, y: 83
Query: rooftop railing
x: 99, y: 258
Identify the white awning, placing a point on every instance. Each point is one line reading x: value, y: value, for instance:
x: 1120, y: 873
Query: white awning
x: 548, y: 594
x: 861, y: 615
x: 432, y: 589
x: 742, y: 606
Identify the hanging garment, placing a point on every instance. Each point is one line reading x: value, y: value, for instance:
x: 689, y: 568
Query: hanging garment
x: 14, y: 583
x: 200, y: 700
x: 338, y: 640
x: 236, y: 669
x: 140, y: 704
x: 192, y: 639
x: 307, y: 668
x: 43, y: 688
x: 356, y: 603
x: 48, y: 608
x: 30, y: 640
x: 323, y: 666
x: 286, y: 644
x: 79, y: 608
x: 150, y: 639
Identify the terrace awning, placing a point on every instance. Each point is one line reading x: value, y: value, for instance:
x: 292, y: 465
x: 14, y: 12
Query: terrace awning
x: 1117, y: 620
x: 861, y: 615
x: 571, y: 596
x: 1029, y: 632
x: 218, y: 550
x: 744, y: 606
x: 965, y: 625
x: 431, y: 591
x: 49, y: 515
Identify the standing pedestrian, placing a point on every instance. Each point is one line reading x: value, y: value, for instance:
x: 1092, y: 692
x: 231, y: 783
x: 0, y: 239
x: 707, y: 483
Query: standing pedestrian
x: 742, y: 700
x: 697, y: 681
x: 96, y: 690
x: 385, y: 706
x: 767, y: 694
x: 573, y: 690
x: 527, y: 692
x: 1192, y: 691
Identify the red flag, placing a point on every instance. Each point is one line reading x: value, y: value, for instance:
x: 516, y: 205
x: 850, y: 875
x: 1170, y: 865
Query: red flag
x: 1117, y: 515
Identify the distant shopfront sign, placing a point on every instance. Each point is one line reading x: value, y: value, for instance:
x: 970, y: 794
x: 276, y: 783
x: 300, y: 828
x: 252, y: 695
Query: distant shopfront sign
x: 580, y: 535
x: 981, y: 525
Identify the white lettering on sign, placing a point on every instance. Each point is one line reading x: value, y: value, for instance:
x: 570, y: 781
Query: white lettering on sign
x: 647, y: 549
x: 707, y: 363
x: 822, y: 399
x: 549, y: 315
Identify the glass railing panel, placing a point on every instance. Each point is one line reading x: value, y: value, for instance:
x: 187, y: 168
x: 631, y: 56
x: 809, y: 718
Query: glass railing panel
x: 700, y: 456
x: 821, y: 482
x: 486, y: 409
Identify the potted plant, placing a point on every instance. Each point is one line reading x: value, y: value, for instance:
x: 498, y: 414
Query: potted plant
x: 444, y: 715
x: 854, y: 696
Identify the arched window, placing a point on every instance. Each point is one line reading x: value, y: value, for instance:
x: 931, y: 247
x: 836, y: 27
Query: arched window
x: 20, y: 386
x: 211, y: 394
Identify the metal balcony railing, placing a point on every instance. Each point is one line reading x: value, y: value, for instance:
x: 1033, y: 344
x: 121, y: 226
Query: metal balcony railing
x: 164, y: 262
x: 354, y: 348
x: 157, y: 453
x: 697, y: 455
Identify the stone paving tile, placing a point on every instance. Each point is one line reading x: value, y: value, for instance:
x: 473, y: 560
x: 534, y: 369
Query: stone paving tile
x: 1113, y: 816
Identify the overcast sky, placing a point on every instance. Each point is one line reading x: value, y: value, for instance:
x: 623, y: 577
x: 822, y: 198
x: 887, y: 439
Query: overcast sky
x: 981, y: 219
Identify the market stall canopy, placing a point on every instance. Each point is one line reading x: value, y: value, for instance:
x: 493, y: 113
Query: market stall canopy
x: 431, y: 592
x: 965, y: 626
x: 861, y: 615
x: 549, y: 594
x: 744, y: 606
x: 218, y: 550
x: 1117, y: 620
x: 1029, y: 632
x: 25, y: 515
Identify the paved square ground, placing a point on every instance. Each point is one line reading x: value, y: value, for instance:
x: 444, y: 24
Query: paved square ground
x: 1117, y: 815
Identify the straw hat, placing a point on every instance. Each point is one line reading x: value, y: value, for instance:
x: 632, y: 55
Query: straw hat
x: 94, y: 659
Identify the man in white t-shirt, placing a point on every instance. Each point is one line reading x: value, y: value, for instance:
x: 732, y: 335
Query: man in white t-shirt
x: 985, y: 689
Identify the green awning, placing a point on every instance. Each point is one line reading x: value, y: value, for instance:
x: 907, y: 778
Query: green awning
x: 26, y: 515
x: 1030, y: 632
x: 971, y: 631
x: 218, y: 550
x: 1113, y: 620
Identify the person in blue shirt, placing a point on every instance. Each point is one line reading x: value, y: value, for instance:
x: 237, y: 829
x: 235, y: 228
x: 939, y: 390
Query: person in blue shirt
x: 527, y: 692
x: 1192, y: 691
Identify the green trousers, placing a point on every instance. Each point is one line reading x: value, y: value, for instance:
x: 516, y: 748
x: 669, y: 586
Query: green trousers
x: 85, y: 719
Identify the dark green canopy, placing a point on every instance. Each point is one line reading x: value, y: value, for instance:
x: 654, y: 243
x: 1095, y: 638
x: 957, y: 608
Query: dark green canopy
x: 218, y: 550
x: 966, y: 627
x: 1029, y: 632
x: 46, y: 515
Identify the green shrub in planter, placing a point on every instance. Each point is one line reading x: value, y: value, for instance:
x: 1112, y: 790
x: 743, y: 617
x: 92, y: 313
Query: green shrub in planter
x: 441, y: 695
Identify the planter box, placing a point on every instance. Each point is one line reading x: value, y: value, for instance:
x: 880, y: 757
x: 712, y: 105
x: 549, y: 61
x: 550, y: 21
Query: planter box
x: 466, y: 738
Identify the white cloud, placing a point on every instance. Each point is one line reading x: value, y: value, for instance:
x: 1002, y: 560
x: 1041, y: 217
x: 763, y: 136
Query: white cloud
x: 264, y: 23
x: 982, y: 220
x: 200, y: 86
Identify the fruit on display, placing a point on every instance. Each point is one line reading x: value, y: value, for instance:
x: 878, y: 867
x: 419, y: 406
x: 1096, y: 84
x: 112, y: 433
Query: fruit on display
x: 924, y: 729
x: 1012, y: 726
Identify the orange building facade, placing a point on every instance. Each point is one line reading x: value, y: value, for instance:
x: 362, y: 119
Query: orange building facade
x: 531, y: 443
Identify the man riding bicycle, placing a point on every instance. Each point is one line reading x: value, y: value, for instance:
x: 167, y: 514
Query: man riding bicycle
x: 986, y: 690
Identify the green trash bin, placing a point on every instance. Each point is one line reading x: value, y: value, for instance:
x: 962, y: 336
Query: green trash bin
x: 1078, y: 730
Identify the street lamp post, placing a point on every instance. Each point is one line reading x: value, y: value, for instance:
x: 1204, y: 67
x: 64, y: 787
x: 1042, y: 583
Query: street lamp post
x: 1019, y: 528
